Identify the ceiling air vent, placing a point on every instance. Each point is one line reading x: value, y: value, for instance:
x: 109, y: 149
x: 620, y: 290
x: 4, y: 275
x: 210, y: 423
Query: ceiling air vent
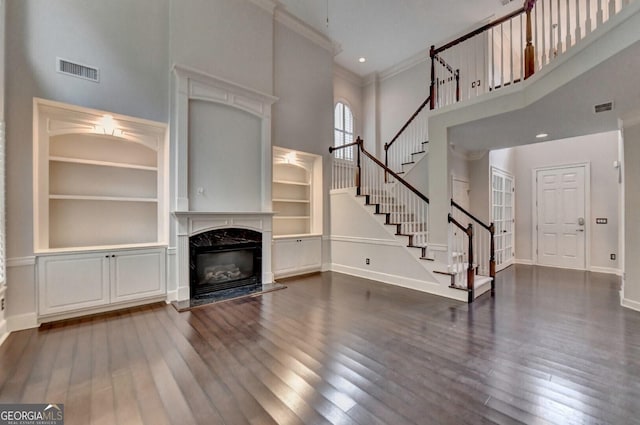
x: 78, y: 70
x: 603, y: 107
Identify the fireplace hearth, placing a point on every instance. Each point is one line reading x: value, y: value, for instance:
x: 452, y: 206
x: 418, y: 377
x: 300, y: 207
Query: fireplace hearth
x: 224, y: 260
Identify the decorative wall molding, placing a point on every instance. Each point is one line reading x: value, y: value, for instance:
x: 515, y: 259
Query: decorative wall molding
x: 633, y: 305
x: 369, y: 241
x: 345, y: 74
x: 21, y: 261
x: 523, y: 261
x: 22, y: 321
x: 410, y: 62
x: 287, y: 19
x: 607, y: 270
x: 404, y: 282
x: 267, y: 5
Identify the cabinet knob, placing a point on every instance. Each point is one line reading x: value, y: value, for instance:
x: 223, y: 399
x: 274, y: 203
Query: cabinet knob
x: 106, y: 256
x: 113, y: 256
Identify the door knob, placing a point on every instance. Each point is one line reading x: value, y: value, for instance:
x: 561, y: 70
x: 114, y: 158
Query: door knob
x: 581, y: 221
x: 579, y: 230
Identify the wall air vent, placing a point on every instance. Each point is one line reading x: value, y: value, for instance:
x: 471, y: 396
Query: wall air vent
x: 78, y: 70
x: 603, y: 107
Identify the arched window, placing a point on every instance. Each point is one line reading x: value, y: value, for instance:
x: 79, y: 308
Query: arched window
x: 343, y: 130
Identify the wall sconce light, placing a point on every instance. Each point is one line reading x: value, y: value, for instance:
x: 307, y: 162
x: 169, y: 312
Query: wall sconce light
x: 108, y: 126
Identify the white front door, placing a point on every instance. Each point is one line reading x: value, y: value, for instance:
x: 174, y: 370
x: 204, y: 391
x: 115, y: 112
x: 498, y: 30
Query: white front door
x: 561, y: 217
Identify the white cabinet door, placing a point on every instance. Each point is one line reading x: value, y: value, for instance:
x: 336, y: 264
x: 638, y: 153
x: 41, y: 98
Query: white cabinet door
x: 285, y: 256
x: 72, y: 282
x: 310, y: 255
x: 137, y: 274
x: 296, y: 256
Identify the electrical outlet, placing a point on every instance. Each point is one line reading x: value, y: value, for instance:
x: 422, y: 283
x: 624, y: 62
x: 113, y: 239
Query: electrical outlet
x: 2, y: 302
x: 613, y: 257
x: 367, y: 261
x: 601, y: 221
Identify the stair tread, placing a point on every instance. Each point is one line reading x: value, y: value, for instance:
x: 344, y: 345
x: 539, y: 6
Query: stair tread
x: 419, y: 152
x: 408, y: 163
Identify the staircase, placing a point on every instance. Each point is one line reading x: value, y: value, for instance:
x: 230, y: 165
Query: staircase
x: 499, y: 54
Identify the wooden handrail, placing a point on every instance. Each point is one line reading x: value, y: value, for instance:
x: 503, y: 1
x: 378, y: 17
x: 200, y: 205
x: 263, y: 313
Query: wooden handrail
x: 457, y: 223
x: 468, y: 214
x: 336, y: 148
x: 395, y: 176
x: 404, y: 127
x: 478, y: 31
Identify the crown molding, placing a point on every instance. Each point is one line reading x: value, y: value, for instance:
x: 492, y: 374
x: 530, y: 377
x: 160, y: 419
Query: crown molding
x: 345, y: 74
x: 372, y: 78
x: 287, y: 19
x: 267, y: 5
x: 410, y: 62
x: 466, y: 154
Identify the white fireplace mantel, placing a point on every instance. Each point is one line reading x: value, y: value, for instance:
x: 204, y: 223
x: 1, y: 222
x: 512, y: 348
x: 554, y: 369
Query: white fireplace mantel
x: 190, y: 223
x: 190, y: 84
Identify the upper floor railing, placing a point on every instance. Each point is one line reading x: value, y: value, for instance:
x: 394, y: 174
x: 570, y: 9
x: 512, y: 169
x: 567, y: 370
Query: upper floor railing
x: 510, y: 49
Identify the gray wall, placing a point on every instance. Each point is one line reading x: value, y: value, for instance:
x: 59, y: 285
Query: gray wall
x: 351, y: 93
x: 631, y: 216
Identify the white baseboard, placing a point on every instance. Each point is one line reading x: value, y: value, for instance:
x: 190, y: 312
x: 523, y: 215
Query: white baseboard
x: 633, y: 305
x: 4, y: 332
x: 608, y: 270
x: 183, y: 293
x: 172, y: 296
x: 325, y: 267
x: 22, y: 322
x: 21, y: 261
x: 523, y: 261
x: 404, y: 282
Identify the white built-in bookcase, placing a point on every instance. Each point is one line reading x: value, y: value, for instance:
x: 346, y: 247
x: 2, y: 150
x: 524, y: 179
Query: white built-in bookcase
x: 100, y: 180
x: 297, y: 193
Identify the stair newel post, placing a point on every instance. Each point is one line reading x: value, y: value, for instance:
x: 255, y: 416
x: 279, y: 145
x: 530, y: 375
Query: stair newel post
x: 358, y: 169
x: 457, y: 75
x: 386, y: 160
x: 492, y: 258
x: 432, y: 88
x: 470, y: 271
x: 529, y: 50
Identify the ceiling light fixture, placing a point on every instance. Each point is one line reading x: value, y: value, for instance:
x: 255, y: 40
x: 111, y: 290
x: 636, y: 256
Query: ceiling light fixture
x: 541, y: 135
x: 362, y: 60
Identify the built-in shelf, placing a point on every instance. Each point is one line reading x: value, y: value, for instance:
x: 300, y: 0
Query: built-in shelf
x: 97, y: 190
x: 101, y: 198
x: 291, y: 217
x: 101, y: 163
x: 292, y: 183
x: 297, y: 193
x: 298, y: 201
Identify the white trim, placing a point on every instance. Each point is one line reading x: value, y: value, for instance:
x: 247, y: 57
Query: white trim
x: 22, y: 321
x: 102, y: 309
x: 267, y: 5
x: 408, y: 63
x: 633, y: 305
x: 497, y: 170
x: 347, y: 75
x: 21, y: 261
x: 368, y: 241
x: 523, y: 261
x: 293, y: 23
x: 404, y: 282
x: 608, y: 270
x: 587, y: 210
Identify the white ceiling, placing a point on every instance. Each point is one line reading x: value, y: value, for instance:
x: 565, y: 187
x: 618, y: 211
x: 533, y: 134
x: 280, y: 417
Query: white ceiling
x: 387, y: 32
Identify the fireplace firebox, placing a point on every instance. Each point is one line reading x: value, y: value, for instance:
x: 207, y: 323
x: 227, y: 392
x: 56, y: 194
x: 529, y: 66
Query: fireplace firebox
x: 224, y: 259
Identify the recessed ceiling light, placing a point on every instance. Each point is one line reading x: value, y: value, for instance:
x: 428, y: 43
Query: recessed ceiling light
x: 541, y: 135
x: 362, y: 60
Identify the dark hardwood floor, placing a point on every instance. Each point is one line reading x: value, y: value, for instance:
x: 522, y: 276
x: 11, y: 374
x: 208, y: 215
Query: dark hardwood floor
x: 553, y: 346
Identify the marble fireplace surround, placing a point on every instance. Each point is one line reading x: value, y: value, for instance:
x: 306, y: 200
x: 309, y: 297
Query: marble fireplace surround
x: 190, y: 84
x: 191, y: 223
